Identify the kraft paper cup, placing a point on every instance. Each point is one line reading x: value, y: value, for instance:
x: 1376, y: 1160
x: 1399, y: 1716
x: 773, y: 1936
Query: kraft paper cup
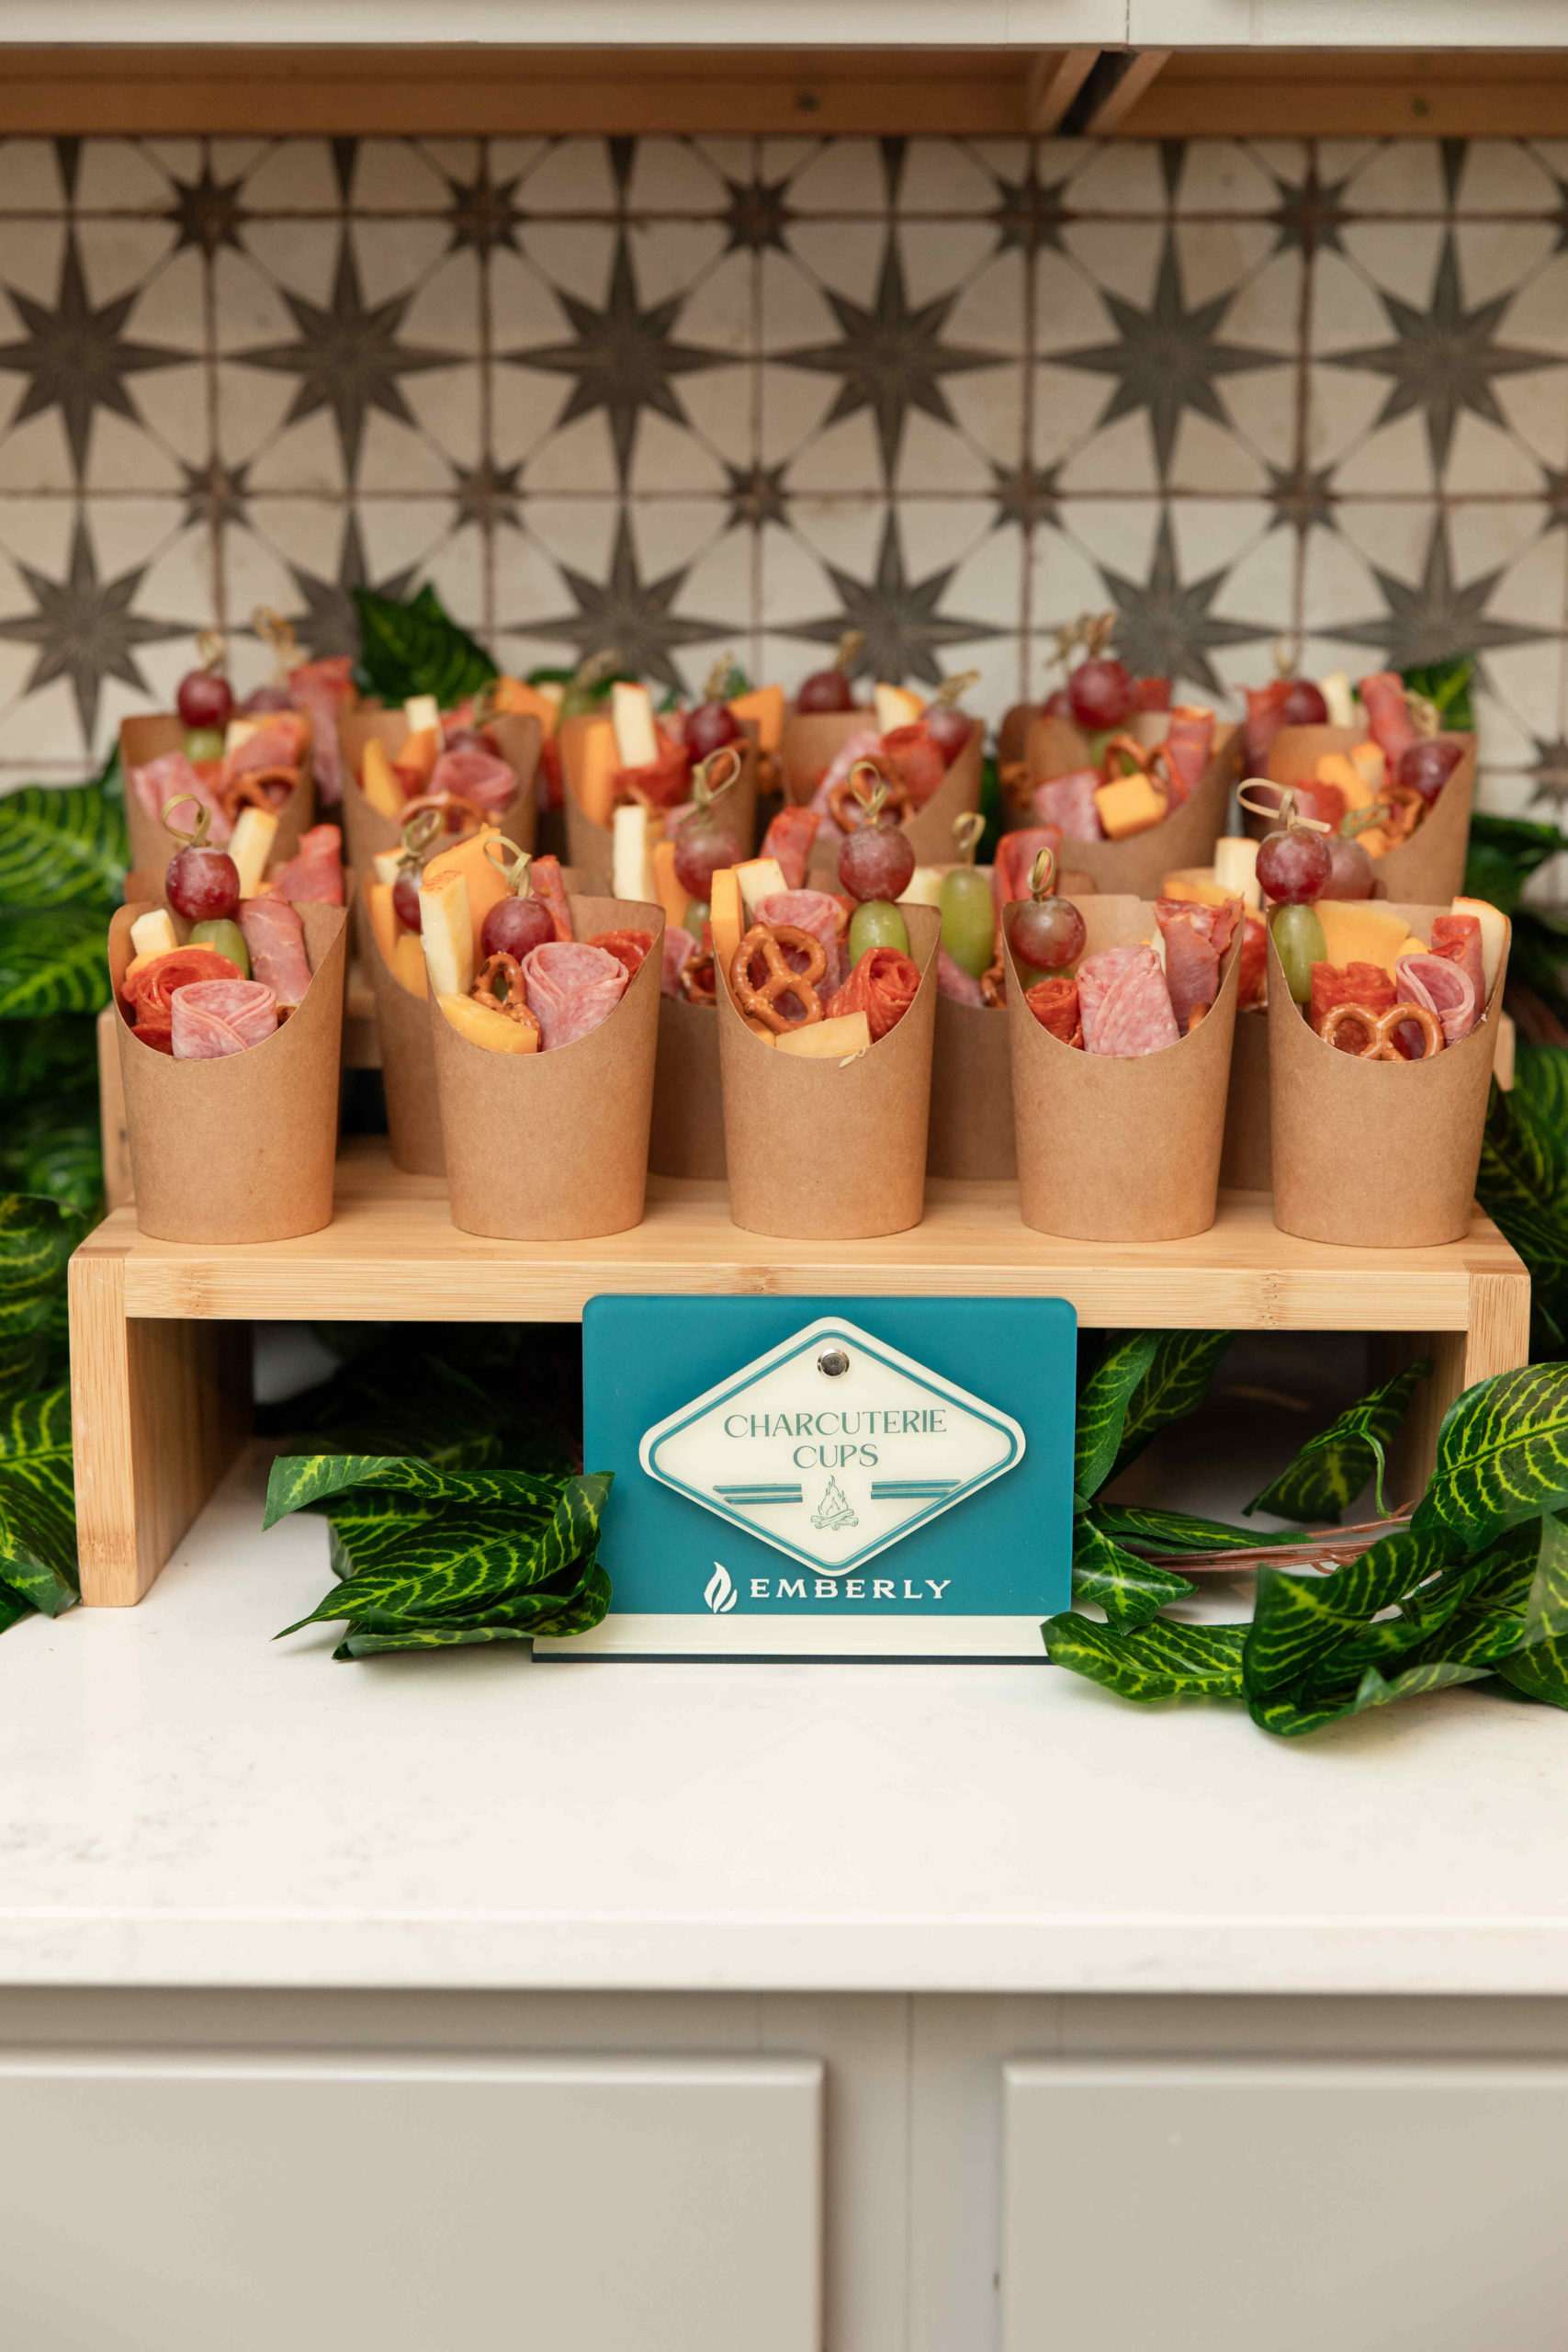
x: 142, y: 739
x: 687, y: 1138
x: 1013, y: 735
x: 971, y: 1121
x: 1376, y: 1154
x: 1428, y: 866
x: 1139, y: 865
x: 553, y: 1146
x: 820, y: 1151
x: 590, y: 847
x: 408, y: 1056
x: 929, y: 829
x: 1120, y: 1150
x: 1244, y: 1161
x: 517, y: 740
x: 811, y: 741
x: 240, y: 1149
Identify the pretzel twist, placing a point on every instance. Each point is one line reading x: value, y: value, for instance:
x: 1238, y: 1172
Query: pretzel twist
x: 456, y: 811
x: 250, y: 790
x: 1382, y: 1028
x: 994, y: 984
x: 514, y: 1004
x: 764, y: 1003
x: 698, y: 982
x: 847, y: 813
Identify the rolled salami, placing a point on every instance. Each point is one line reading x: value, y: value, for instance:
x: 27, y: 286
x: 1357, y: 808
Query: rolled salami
x: 1124, y: 1003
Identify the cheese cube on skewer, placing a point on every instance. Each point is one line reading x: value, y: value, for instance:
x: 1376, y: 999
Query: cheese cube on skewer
x: 631, y: 715
x: 447, y: 932
x: 152, y: 934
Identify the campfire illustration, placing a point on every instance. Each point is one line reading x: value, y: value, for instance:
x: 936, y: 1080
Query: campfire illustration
x: 833, y: 1513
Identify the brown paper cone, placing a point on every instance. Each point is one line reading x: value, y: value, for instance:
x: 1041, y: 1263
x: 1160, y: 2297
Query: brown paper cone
x: 929, y: 829
x: 1120, y: 1150
x: 1376, y: 1154
x: 517, y: 740
x: 240, y: 1149
x: 1138, y: 867
x: 817, y: 1151
x: 553, y: 1146
x: 1430, y: 864
x: 142, y: 739
x: 1013, y: 735
x: 811, y: 742
x: 970, y: 1123
x: 590, y: 846
x: 1245, y: 1160
x: 687, y: 1138
x: 408, y: 1056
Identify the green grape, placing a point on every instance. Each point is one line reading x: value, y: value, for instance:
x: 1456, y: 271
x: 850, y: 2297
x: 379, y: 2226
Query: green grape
x: 1299, y: 940
x: 228, y: 939
x: 204, y: 744
x: 968, y: 919
x: 697, y: 915
x: 877, y: 923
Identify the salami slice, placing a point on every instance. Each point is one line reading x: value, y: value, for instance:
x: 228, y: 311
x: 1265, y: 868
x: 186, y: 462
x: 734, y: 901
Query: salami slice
x: 915, y: 760
x: 1069, y: 801
x: 313, y: 876
x: 1253, y: 972
x: 275, y: 938
x: 1388, y: 714
x: 1459, y: 938
x: 1187, y: 748
x: 545, y: 875
x: 788, y: 841
x: 158, y: 782
x: 325, y: 690
x: 628, y: 948
x: 1016, y: 853
x: 151, y: 981
x: 571, y: 988
x: 475, y: 776
x: 815, y: 911
x: 1367, y: 985
x: 952, y: 980
x: 664, y: 783
x: 1054, y: 1004
x: 679, y: 949
x: 216, y: 1017
x: 1124, y: 1003
x: 883, y: 985
x: 1192, y: 957
x: 1443, y: 988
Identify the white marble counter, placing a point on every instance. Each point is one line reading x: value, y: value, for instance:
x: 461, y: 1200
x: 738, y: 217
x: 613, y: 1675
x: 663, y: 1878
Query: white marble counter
x: 183, y: 1802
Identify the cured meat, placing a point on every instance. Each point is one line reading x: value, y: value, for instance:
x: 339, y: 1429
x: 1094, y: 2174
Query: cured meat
x: 1124, y: 1003
x: 279, y: 744
x: 1069, y: 801
x: 663, y: 784
x: 1016, y: 853
x: 1265, y: 716
x: 679, y: 949
x: 571, y: 988
x: 883, y: 985
x: 151, y: 982
x: 1195, y: 939
x: 1459, y: 938
x: 325, y: 690
x: 1252, y: 976
x: 1388, y: 714
x: 158, y: 782
x: 275, y: 937
x: 1367, y: 985
x: 313, y: 876
x: 1054, y: 1004
x: 1187, y: 748
x: 788, y: 840
x: 630, y: 948
x: 217, y: 1017
x: 552, y: 774
x: 952, y: 980
x: 544, y: 877
x: 1444, y: 988
x: 917, y: 762
x: 815, y: 912
x: 478, y: 776
x: 864, y: 745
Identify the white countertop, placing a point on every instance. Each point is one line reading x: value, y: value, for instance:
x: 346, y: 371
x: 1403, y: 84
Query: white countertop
x: 183, y: 1802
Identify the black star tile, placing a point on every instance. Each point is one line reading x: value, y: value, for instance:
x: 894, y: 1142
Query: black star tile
x: 1165, y: 627
x: 756, y: 494
x: 1312, y: 216
x: 1031, y: 215
x: 76, y: 357
x: 757, y: 215
x: 891, y: 358
x: 349, y: 358
x: 1549, y: 773
x: 325, y: 620
x: 627, y: 616
x: 216, y: 493
x: 1445, y: 359
x: 207, y: 212
x: 1555, y: 497
x: 897, y: 616
x: 482, y: 217
x: 489, y: 493
x: 85, y: 631
x: 1167, y: 358
x: 1435, y: 619
x: 1301, y: 494
x: 1026, y: 494
x: 624, y: 358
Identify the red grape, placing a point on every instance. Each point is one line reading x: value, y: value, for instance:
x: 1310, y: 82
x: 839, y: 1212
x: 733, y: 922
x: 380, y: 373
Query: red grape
x: 1350, y: 869
x: 1294, y: 867
x: 202, y: 885
x: 1427, y: 765
x: 704, y: 842
x: 405, y: 901
x: 709, y: 727
x: 1101, y: 692
x: 949, y: 728
x: 1057, y: 706
x: 1046, y: 933
x: 824, y: 690
x: 1304, y: 705
x: 876, y: 862
x: 204, y: 699
x: 515, y: 925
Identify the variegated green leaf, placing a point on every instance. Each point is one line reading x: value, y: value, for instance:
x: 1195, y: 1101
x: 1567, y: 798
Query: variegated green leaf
x: 1161, y: 1660
x: 1130, y: 1590
x: 1309, y: 1630
x: 13, y: 1609
x: 1541, y: 1081
x: 1538, y: 1666
x: 1174, y: 1386
x: 1390, y: 1569
x: 375, y: 1637
x: 54, y: 1148
x: 37, y: 1237
x: 55, y: 1057
x: 299, y: 1480
x: 1103, y: 1408
x: 1332, y: 1468
x: 60, y: 843
x: 417, y: 649
x: 1146, y: 1526
x: 1502, y: 1454
x: 1290, y: 1718
x: 53, y: 960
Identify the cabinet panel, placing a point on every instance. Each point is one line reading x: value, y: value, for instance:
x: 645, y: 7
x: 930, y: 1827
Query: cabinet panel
x: 169, y: 2204
x: 1210, y: 2208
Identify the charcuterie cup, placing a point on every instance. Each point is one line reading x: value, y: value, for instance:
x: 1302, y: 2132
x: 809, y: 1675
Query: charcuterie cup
x: 687, y: 1137
x: 930, y: 828
x: 517, y: 740
x: 971, y: 1121
x: 1430, y: 864
x: 1113, y: 1148
x: 1376, y: 1154
x: 240, y: 1147
x: 591, y: 845
x: 830, y: 1150
x: 152, y: 738
x: 1245, y: 1161
x: 553, y: 1146
x: 408, y: 1056
x: 1187, y: 837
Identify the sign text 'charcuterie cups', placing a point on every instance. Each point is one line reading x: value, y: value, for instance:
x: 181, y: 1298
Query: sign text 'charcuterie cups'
x: 1139, y: 863
x: 553, y: 1146
x: 1113, y: 1148
x: 1376, y: 1154
x: 145, y: 740
x: 240, y: 1147
x: 1430, y: 864
x: 517, y: 739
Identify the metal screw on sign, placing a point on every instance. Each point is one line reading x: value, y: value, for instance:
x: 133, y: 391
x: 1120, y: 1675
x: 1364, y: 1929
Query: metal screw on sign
x: 833, y: 1361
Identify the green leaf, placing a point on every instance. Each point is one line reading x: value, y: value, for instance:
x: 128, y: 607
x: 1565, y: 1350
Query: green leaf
x: 1540, y: 1079
x: 1309, y: 1628
x: 1390, y: 1569
x: 1129, y: 1590
x: 374, y: 1637
x: 63, y: 843
x: 1538, y: 1666
x: 1446, y: 685
x: 1504, y: 852
x: 1332, y: 1468
x: 1289, y: 1719
x: 1146, y: 1527
x: 299, y: 1480
x: 1502, y: 1454
x: 1102, y: 1407
x: 417, y: 649
x: 53, y: 960
x: 54, y: 1148
x: 37, y: 1514
x: 37, y: 1237
x: 1161, y: 1660
x: 1174, y: 1386
x: 59, y: 1056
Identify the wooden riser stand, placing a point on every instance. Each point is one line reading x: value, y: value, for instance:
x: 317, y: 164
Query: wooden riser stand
x: 159, y: 1384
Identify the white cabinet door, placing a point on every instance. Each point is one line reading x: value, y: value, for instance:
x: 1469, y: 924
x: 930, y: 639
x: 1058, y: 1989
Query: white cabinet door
x: 1214, y: 2208
x: 183, y: 2204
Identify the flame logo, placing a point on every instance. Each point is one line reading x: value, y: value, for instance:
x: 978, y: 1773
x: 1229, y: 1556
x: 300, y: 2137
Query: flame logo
x: 720, y: 1595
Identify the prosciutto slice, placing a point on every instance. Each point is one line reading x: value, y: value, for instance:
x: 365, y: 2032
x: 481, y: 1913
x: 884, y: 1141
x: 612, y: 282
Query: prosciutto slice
x: 788, y: 840
x: 326, y: 691
x: 952, y: 980
x: 815, y: 912
x: 313, y: 876
x: 545, y: 876
x: 679, y: 949
x: 478, y: 776
x: 1187, y: 748
x: 1016, y: 853
x: 1388, y: 714
x: 1443, y: 988
x: 1069, y: 801
x: 1125, y: 1004
x: 571, y: 988
x: 162, y: 780
x: 1195, y: 939
x: 275, y: 937
x: 216, y: 1017
x: 1458, y: 937
x: 279, y: 744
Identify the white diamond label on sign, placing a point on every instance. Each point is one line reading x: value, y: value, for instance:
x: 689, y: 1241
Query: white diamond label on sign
x: 832, y: 1446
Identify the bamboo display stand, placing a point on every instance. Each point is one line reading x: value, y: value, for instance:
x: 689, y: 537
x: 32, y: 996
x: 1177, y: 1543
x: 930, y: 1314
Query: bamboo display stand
x: 159, y: 1386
